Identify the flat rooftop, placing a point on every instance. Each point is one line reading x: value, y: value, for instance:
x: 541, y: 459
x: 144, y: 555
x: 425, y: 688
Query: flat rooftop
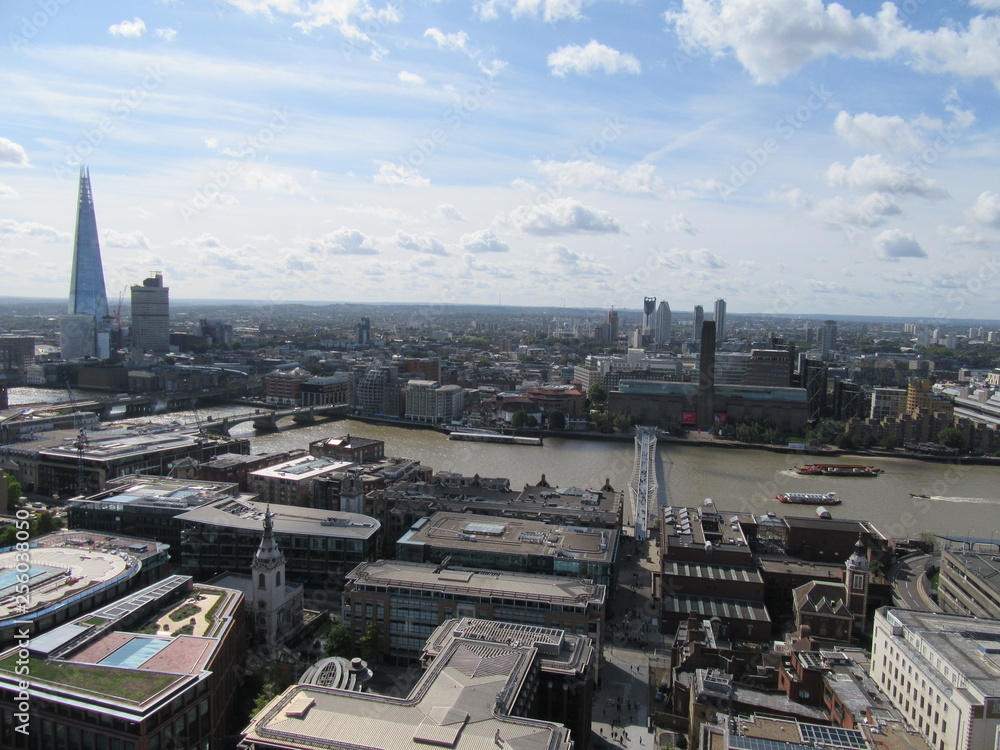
x: 556, y: 590
x: 162, y: 492
x: 466, y: 531
x: 68, y: 563
x: 301, y: 469
x: 120, y: 444
x: 461, y: 702
x: 288, y: 519
x: 969, y: 646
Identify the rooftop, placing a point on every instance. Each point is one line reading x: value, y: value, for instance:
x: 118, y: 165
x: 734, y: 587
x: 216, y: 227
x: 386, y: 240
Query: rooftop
x: 466, y: 531
x: 482, y: 582
x: 301, y: 469
x: 462, y: 702
x: 288, y: 519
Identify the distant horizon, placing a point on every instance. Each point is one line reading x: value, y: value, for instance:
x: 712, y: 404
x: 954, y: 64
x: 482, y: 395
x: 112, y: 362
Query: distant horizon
x: 591, y: 310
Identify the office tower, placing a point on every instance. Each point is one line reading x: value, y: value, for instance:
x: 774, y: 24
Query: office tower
x: 612, y: 325
x: 363, y: 332
x: 705, y: 398
x: 151, y: 315
x: 720, y: 319
x: 827, y: 338
x: 648, y: 308
x: 84, y: 329
x: 699, y: 319
x: 661, y: 327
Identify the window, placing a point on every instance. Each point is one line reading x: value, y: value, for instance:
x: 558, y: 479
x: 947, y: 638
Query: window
x: 260, y: 581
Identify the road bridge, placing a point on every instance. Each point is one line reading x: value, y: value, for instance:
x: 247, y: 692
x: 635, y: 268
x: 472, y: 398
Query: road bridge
x: 267, y: 421
x: 643, y: 485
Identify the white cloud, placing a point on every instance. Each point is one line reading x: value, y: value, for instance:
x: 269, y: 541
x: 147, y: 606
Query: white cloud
x: 427, y: 245
x: 680, y: 223
x: 167, y: 35
x: 448, y: 211
x: 985, y: 4
x: 398, y: 174
x: 271, y: 182
x: 563, y: 216
x: 128, y: 29
x: 873, y: 173
x: 572, y: 263
x: 701, y: 258
x: 774, y: 38
x: 870, y: 211
x: 411, y: 78
x: 344, y: 241
x: 483, y: 241
x: 15, y: 228
x: 458, y: 41
x: 12, y: 153
x: 892, y: 132
x: 594, y: 56
x: 894, y: 244
x: 962, y: 235
x: 212, y: 252
x: 130, y: 240
x: 639, y: 179
x: 986, y: 209
x: 6, y: 191
x: 547, y: 10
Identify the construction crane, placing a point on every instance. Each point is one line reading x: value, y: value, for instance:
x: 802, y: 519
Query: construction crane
x: 81, y: 444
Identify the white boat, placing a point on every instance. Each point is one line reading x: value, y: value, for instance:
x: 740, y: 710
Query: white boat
x: 809, y: 498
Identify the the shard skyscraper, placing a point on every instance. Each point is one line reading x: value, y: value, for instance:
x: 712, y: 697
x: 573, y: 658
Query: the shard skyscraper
x: 85, y: 331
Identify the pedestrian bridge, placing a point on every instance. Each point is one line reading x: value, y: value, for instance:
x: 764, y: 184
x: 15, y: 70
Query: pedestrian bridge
x: 267, y: 421
x: 643, y: 486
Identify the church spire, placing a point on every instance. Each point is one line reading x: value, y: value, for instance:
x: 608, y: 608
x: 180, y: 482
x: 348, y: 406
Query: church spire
x: 268, y: 555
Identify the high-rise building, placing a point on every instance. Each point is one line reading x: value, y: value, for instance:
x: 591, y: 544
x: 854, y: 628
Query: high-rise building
x: 613, y: 325
x: 84, y: 329
x: 648, y: 308
x: 661, y: 325
x: 363, y: 332
x: 720, y: 319
x: 705, y: 398
x: 827, y: 337
x: 699, y: 318
x: 151, y: 315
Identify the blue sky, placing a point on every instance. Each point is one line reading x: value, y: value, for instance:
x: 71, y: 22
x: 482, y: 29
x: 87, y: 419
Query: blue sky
x: 787, y: 155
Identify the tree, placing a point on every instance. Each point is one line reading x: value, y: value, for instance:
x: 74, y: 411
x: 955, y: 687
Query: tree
x: 13, y: 493
x: 338, y: 641
x: 520, y: 419
x: 45, y: 523
x: 844, y: 441
x: 370, y: 643
x: 951, y: 437
x: 557, y: 421
x: 888, y: 443
x: 597, y: 394
x: 877, y: 569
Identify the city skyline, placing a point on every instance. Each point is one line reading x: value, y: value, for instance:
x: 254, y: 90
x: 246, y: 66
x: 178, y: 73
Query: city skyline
x: 579, y: 154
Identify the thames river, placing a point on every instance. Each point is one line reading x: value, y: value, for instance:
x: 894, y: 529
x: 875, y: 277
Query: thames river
x: 965, y: 499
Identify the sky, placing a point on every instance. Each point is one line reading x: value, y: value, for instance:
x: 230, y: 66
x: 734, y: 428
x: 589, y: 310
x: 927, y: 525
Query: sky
x: 790, y: 156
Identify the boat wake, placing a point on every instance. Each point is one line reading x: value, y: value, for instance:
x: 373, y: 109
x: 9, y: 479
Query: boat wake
x: 978, y: 500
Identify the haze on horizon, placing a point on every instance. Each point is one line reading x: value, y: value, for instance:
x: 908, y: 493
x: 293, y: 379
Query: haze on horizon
x: 787, y: 155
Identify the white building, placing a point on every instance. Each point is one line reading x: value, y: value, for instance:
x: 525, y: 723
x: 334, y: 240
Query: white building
x: 429, y: 401
x: 943, y: 673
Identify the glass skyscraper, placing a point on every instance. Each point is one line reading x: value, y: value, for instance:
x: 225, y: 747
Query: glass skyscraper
x: 84, y: 329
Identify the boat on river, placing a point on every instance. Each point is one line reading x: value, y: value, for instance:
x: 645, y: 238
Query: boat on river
x: 809, y: 498
x: 838, y: 470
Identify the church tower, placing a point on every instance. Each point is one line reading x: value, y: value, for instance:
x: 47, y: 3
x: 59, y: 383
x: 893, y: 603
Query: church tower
x: 857, y: 577
x: 268, y: 585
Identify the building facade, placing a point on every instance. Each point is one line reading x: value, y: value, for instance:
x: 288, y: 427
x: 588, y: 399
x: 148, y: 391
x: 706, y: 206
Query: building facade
x: 150, y: 316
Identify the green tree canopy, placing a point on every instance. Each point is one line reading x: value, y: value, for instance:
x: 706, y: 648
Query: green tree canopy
x: 597, y: 394
x: 557, y: 420
x: 338, y: 641
x: 951, y: 437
